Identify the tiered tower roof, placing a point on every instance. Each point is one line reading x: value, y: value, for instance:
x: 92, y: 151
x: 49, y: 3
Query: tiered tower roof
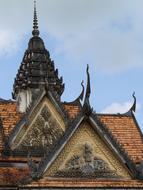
x: 37, y: 69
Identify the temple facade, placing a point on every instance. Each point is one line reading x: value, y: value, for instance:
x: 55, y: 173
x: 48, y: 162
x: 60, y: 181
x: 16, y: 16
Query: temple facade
x: 46, y: 143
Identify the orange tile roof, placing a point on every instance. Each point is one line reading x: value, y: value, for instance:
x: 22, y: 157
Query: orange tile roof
x: 126, y: 131
x: 122, y: 127
x: 72, y: 110
x: 9, y: 117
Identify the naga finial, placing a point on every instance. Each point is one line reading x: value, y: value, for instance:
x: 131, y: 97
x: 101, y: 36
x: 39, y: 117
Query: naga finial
x: 86, y: 105
x: 82, y: 93
x: 133, y: 108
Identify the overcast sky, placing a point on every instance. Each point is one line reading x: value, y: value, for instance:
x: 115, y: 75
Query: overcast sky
x: 106, y: 34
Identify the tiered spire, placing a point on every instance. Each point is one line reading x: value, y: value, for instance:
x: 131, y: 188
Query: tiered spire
x: 37, y: 69
x: 35, y: 31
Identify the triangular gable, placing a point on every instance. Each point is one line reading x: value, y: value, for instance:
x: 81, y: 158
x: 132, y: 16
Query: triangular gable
x: 86, y: 155
x: 82, y: 138
x: 41, y: 127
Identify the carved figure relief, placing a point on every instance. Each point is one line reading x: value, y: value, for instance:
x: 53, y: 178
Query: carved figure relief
x: 43, y: 134
x: 86, y: 165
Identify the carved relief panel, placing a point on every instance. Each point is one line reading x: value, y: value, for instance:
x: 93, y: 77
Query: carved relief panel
x: 43, y: 134
x: 87, y: 164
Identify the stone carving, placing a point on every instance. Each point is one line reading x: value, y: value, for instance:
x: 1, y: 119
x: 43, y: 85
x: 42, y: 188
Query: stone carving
x: 86, y: 165
x: 43, y: 134
x: 87, y: 153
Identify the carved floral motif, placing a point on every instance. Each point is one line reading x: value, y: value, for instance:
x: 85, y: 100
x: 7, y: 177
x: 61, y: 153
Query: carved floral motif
x: 43, y: 134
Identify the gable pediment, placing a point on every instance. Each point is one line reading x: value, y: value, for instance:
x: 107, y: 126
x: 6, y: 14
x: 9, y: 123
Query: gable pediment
x: 44, y: 128
x: 86, y: 155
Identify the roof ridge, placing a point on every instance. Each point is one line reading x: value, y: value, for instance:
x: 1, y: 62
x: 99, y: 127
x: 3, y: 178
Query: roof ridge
x: 114, y: 114
x: 6, y: 101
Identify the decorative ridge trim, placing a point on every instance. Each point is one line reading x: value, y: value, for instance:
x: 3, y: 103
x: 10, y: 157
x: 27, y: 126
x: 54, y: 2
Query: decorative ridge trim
x: 140, y: 167
x: 16, y: 129
x: 137, y: 125
x: 77, y: 100
x: 34, y: 103
x: 58, y: 105
x: 74, y: 103
x: 113, y: 114
x: 6, y: 101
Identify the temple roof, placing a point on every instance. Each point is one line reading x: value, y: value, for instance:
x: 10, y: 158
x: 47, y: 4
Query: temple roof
x: 62, y: 130
x: 124, y: 128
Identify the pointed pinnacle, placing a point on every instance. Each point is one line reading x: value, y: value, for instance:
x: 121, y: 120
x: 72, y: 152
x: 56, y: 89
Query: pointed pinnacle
x: 35, y: 31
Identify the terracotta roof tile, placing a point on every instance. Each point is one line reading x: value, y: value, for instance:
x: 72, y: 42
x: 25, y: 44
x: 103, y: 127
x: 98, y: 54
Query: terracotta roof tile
x: 72, y: 110
x: 126, y: 131
x: 9, y: 117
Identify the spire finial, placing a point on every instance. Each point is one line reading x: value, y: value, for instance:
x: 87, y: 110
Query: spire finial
x: 35, y: 31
